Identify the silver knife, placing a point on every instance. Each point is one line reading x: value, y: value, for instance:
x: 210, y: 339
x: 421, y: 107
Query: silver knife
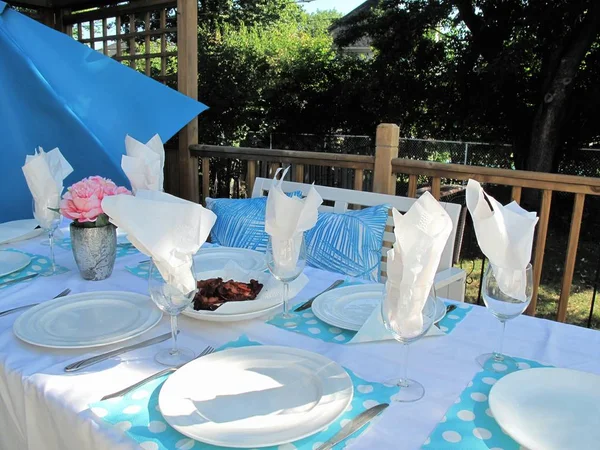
x: 16, y: 280
x: 354, y: 425
x: 31, y: 305
x: 96, y: 359
x: 307, y: 304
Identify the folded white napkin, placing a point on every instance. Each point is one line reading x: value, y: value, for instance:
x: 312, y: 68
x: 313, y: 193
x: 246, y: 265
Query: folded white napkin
x: 270, y: 295
x: 505, y: 236
x: 144, y: 163
x: 286, y: 218
x: 45, y: 173
x: 168, y: 229
x: 421, y: 235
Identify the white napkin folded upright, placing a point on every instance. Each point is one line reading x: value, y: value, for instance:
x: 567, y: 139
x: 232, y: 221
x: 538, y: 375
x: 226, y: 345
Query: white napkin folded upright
x: 144, y: 163
x: 45, y: 173
x: 286, y: 218
x: 421, y: 235
x: 505, y: 236
x: 168, y: 229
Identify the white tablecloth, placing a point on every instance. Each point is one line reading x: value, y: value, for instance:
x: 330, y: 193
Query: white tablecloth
x: 42, y: 408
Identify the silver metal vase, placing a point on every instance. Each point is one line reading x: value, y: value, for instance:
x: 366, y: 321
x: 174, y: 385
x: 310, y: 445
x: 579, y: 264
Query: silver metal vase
x: 95, y: 250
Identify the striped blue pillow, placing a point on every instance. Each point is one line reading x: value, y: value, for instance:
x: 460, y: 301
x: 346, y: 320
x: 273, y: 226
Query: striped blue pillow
x: 241, y: 222
x: 348, y: 243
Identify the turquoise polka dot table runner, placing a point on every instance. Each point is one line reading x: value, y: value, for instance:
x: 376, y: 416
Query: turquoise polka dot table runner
x: 39, y: 264
x: 138, y: 416
x: 305, y: 322
x: 123, y: 248
x: 469, y: 423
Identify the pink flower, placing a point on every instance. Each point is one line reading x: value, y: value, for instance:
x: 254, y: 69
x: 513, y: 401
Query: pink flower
x: 83, y: 201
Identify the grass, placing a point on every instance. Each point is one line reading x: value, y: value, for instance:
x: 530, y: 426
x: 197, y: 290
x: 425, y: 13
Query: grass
x: 580, y: 298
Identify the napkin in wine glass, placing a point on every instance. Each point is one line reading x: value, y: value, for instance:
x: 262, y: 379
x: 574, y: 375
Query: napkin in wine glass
x: 45, y: 173
x: 421, y: 235
x: 168, y: 229
x: 288, y: 217
x: 505, y: 236
x: 144, y: 163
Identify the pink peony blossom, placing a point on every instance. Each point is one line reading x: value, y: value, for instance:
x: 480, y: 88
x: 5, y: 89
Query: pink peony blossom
x: 83, y: 201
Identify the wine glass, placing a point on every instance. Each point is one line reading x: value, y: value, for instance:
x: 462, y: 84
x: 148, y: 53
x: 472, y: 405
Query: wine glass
x: 170, y: 299
x: 47, y: 213
x: 506, y: 293
x: 402, y: 317
x: 286, y: 259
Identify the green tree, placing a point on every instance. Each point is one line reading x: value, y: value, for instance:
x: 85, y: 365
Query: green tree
x: 267, y: 75
x: 518, y: 71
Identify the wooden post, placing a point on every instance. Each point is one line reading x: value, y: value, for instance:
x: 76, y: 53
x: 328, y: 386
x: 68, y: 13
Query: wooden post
x: 187, y: 82
x: 250, y: 177
x: 387, y: 140
x: 540, y: 248
x: 565, y: 289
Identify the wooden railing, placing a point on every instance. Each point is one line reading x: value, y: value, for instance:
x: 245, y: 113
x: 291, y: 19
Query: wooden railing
x: 386, y: 167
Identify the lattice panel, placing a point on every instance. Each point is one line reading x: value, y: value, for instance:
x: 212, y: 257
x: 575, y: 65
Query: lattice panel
x: 141, y: 35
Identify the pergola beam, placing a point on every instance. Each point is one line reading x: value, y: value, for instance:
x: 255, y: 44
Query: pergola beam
x: 187, y: 82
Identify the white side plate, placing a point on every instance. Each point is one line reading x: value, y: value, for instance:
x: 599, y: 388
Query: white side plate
x: 10, y: 262
x: 215, y: 258
x: 19, y: 230
x: 349, y: 307
x: 84, y: 320
x: 549, y: 408
x: 255, y: 396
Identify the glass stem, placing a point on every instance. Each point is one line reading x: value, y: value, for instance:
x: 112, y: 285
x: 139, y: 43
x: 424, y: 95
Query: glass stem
x: 404, y: 379
x: 174, y: 350
x: 51, y: 241
x: 498, y: 356
x: 286, y: 294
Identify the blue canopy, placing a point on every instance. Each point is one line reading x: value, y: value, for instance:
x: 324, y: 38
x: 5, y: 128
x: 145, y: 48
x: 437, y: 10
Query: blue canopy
x: 56, y: 92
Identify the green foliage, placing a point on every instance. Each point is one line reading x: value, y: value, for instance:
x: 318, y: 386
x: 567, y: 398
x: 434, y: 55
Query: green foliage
x: 482, y: 69
x: 258, y: 75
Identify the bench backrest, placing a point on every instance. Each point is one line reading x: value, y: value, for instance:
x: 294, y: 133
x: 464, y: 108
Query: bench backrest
x: 339, y: 200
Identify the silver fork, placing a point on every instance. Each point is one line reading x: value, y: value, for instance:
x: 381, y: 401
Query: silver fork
x: 207, y: 351
x: 19, y: 308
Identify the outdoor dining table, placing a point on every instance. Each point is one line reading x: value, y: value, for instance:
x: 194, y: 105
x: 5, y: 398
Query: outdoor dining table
x: 42, y: 407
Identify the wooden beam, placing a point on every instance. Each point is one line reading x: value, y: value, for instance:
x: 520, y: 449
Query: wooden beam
x: 299, y: 173
x: 138, y: 6
x: 521, y: 178
x: 412, y: 186
x: 187, y: 83
x: 565, y: 289
x: 436, y: 187
x: 147, y: 65
x: 358, y: 179
x: 516, y: 194
x: 387, y: 140
x: 540, y: 248
x: 250, y: 177
x: 205, y: 178
x: 285, y: 156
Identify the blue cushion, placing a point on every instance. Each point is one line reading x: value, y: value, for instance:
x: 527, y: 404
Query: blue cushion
x: 241, y: 222
x: 348, y: 243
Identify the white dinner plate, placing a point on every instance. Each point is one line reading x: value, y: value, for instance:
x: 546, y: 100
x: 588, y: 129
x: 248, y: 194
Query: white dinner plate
x: 12, y: 261
x: 90, y: 319
x: 349, y: 307
x: 549, y: 408
x: 214, y: 316
x: 255, y: 396
x: 216, y: 258
x: 18, y: 230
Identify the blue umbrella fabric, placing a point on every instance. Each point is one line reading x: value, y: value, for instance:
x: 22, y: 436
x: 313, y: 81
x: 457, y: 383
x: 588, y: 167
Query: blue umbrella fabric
x: 56, y: 92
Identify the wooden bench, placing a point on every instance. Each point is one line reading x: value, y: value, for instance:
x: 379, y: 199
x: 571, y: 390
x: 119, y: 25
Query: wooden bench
x: 449, y: 280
